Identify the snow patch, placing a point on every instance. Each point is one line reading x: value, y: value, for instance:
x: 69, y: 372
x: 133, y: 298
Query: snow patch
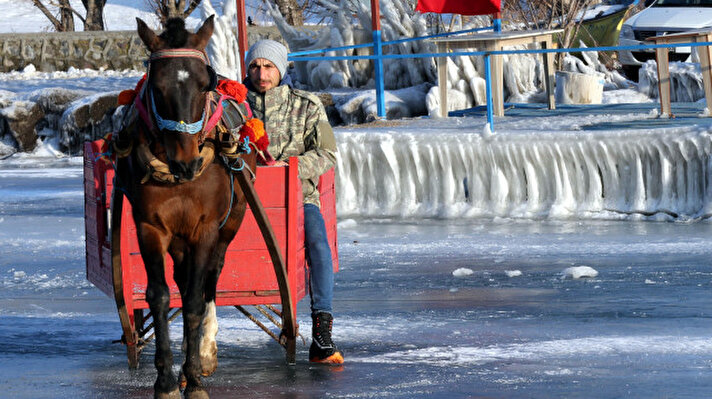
x: 513, y: 273
x: 462, y: 272
x: 578, y: 272
x: 346, y: 224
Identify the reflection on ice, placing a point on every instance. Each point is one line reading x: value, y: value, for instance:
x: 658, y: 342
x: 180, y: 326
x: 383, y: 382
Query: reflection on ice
x: 447, y: 356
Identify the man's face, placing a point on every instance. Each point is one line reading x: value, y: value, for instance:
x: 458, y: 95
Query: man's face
x: 263, y: 74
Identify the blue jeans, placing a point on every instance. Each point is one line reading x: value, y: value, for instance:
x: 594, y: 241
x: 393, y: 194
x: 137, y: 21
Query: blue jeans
x: 318, y: 253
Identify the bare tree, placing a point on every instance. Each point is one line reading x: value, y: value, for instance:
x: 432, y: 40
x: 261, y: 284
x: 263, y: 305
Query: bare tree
x: 292, y: 12
x: 548, y: 14
x: 166, y: 9
x: 64, y: 21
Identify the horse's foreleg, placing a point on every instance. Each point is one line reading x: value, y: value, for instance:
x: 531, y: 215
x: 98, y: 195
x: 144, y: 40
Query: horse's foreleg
x: 194, y: 307
x: 158, y: 298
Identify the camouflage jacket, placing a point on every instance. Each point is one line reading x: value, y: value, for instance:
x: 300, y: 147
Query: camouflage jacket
x: 296, y: 123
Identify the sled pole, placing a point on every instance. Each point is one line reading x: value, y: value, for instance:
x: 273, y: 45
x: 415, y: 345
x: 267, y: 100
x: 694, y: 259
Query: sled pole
x: 289, y: 329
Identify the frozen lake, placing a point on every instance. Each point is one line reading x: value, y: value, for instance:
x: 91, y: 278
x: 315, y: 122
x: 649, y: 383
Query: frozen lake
x: 425, y: 308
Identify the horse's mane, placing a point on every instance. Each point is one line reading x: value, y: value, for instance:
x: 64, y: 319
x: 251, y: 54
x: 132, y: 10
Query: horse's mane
x: 175, y: 34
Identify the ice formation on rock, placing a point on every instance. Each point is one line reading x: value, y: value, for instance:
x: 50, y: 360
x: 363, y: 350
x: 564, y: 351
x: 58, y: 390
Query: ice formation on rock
x: 685, y: 81
x: 609, y: 175
x: 222, y: 48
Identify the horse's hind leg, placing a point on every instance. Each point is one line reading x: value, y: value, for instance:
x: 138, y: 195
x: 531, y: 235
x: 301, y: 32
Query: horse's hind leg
x: 208, y: 344
x: 158, y: 298
x: 209, y: 326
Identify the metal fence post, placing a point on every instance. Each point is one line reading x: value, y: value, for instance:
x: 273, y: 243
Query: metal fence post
x: 378, y: 52
x: 488, y: 92
x: 380, y: 92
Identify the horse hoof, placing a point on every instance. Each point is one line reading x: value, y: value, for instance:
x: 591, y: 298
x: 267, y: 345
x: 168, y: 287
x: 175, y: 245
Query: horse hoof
x: 174, y: 394
x: 197, y: 393
x: 208, y: 365
x: 182, y: 382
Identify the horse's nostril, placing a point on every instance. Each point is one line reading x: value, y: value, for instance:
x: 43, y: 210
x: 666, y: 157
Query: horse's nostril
x: 185, y: 171
x: 175, y: 167
x: 196, y: 164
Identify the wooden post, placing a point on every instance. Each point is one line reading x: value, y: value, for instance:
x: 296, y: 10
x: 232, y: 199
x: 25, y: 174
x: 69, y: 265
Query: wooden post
x: 549, y: 72
x: 661, y: 56
x: 242, y: 35
x: 705, y: 56
x: 442, y: 79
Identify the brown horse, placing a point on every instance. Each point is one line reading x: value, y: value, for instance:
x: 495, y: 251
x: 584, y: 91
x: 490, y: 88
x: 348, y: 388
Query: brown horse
x: 182, y: 197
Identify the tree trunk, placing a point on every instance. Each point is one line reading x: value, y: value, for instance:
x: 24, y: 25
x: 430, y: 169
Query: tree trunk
x: 65, y: 16
x: 166, y: 9
x: 291, y: 12
x: 95, y: 14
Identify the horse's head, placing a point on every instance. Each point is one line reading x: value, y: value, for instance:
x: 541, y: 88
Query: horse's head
x: 178, y: 78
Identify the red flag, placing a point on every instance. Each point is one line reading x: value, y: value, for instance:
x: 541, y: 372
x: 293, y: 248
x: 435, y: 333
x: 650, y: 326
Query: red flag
x: 463, y: 7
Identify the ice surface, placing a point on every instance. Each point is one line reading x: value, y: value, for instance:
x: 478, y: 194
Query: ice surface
x: 408, y: 328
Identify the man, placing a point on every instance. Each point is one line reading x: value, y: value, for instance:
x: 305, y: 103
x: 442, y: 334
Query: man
x: 296, y: 123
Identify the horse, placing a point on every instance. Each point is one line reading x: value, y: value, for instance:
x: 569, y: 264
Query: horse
x: 183, y: 198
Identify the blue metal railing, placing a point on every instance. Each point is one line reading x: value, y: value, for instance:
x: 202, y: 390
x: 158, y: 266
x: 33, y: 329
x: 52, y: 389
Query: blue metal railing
x: 378, y: 56
x: 303, y: 56
x: 370, y: 45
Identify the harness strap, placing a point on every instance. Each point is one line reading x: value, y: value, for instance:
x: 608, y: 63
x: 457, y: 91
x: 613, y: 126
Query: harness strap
x: 217, y: 113
x: 142, y: 111
x: 158, y: 169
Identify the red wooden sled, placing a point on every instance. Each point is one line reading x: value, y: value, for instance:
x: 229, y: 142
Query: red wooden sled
x: 114, y: 264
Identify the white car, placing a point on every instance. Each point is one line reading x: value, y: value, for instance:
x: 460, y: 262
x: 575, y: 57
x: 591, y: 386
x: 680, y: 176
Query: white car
x: 661, y: 17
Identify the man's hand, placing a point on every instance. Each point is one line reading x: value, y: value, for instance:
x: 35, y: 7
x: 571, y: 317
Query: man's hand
x: 280, y: 163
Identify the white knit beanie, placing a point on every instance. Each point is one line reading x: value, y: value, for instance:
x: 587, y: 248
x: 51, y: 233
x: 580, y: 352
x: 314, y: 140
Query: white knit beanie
x: 272, y: 51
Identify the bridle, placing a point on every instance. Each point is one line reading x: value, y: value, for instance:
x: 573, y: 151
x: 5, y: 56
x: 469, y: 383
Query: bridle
x: 154, y: 167
x: 168, y: 124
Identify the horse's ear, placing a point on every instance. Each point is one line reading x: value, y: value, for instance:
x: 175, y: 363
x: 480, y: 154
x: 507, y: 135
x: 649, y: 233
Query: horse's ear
x: 202, y: 36
x: 147, y: 35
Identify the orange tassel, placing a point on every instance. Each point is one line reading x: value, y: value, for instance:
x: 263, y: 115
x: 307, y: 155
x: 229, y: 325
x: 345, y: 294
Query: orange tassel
x: 255, y: 130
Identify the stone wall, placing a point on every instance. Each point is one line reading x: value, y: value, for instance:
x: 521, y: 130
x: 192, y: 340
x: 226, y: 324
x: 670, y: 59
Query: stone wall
x: 58, y: 51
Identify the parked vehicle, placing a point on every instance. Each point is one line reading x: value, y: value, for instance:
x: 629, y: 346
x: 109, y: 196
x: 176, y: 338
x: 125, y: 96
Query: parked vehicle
x: 661, y: 17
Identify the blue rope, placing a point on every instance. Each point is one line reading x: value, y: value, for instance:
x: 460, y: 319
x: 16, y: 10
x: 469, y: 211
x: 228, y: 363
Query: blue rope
x: 246, y: 146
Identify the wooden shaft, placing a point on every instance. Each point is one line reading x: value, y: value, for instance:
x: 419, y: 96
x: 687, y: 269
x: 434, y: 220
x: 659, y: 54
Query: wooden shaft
x: 289, y: 323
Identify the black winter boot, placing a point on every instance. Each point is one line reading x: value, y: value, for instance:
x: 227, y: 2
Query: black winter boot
x: 323, y: 349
